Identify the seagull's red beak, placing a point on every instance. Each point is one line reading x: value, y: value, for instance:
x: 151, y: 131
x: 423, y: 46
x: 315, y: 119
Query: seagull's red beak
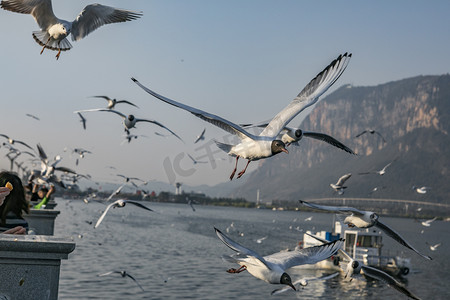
x: 285, y: 150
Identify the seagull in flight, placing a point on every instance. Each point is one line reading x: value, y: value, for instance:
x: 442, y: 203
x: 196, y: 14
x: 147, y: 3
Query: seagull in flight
x: 130, y: 120
x: 427, y: 223
x: 272, y: 268
x: 201, y: 137
x: 363, y: 219
x: 112, y: 102
x: 421, y: 190
x: 353, y: 267
x: 380, y: 172
x: 32, y: 116
x: 13, y: 141
x: 371, y: 131
x: 123, y: 274
x: 339, y: 185
x: 54, y: 32
x: 433, y: 247
x: 255, y: 147
x: 116, y: 192
x: 119, y: 203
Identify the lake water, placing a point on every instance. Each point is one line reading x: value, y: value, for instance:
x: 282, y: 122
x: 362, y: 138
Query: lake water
x: 175, y: 254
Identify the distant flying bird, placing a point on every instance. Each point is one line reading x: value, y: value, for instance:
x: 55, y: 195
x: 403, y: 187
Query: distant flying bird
x: 272, y: 268
x: 339, y: 185
x: 32, y: 116
x: 194, y: 161
x: 82, y: 120
x: 130, y: 120
x: 54, y: 31
x: 190, y: 203
x: 427, y: 223
x: 13, y: 141
x: 363, y: 219
x: 266, y: 144
x: 352, y: 267
x: 119, y: 203
x: 380, y: 172
x: 200, y: 137
x: 115, y: 193
x: 433, y: 247
x: 421, y: 190
x: 304, y: 282
x: 123, y: 274
x: 371, y: 131
x: 112, y: 102
x: 260, y: 240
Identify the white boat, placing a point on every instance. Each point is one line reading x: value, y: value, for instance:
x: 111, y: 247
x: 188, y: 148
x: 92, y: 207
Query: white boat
x: 363, y: 244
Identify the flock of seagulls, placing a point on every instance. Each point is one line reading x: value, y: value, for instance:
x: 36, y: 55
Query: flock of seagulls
x: 273, y: 139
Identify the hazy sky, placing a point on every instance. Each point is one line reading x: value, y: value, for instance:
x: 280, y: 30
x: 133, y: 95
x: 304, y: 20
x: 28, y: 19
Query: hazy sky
x: 243, y: 60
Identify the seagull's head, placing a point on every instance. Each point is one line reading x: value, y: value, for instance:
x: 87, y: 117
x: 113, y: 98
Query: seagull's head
x: 298, y: 134
x: 286, y: 279
x: 130, y: 117
x: 373, y: 217
x: 278, y: 146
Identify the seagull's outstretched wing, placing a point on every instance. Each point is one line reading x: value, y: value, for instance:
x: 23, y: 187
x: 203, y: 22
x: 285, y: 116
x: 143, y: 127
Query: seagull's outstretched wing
x: 239, y: 248
x: 41, y: 10
x: 23, y: 143
x: 390, y: 232
x: 160, y: 125
x: 389, y: 280
x: 138, y: 205
x: 41, y: 152
x: 213, y: 119
x: 104, y: 214
x: 310, y: 255
x: 135, y: 281
x: 336, y: 209
x: 360, y: 134
x: 95, y: 15
x: 343, y: 179
x: 308, y: 96
x: 328, y: 139
x: 127, y: 102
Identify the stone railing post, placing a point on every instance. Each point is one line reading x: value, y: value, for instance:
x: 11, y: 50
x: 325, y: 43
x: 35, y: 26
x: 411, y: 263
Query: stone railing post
x: 41, y: 221
x: 29, y: 266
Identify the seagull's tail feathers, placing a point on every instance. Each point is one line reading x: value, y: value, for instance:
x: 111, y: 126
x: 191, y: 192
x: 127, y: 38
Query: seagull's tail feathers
x: 44, y: 39
x: 224, y: 147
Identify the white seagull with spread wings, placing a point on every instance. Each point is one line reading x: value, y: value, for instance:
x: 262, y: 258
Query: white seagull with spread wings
x: 54, y: 31
x: 272, y: 268
x: 363, y: 219
x: 255, y: 147
x: 119, y: 203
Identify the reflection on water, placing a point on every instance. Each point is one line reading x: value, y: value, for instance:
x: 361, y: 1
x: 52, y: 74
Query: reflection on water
x: 175, y: 254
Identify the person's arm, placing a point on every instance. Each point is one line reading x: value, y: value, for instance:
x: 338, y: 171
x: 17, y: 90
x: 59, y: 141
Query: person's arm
x: 46, y: 198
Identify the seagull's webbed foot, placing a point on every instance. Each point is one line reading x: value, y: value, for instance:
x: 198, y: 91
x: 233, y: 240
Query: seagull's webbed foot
x: 241, y: 269
x: 351, y: 225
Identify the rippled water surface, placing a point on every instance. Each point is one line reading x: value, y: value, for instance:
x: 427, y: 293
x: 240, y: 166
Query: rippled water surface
x: 175, y: 254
